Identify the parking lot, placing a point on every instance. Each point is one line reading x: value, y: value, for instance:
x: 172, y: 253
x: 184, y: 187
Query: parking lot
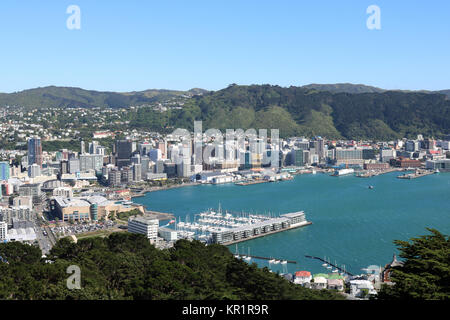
x: 81, y: 227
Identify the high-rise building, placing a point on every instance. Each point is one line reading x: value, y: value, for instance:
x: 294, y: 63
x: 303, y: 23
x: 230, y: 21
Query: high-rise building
x: 35, y: 151
x: 137, y: 172
x: 91, y: 162
x: 74, y: 165
x: 34, y: 171
x: 155, y: 155
x: 124, y: 150
x: 4, y: 171
x: 114, y: 178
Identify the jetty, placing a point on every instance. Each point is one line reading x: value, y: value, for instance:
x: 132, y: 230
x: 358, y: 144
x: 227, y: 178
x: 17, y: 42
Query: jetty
x: 338, y: 268
x: 265, y: 258
x: 415, y: 175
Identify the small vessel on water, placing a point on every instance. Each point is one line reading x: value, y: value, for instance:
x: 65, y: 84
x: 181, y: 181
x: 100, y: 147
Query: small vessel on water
x: 284, y: 262
x: 436, y: 171
x: 248, y: 258
x: 272, y: 261
x: 237, y: 253
x: 325, y: 264
x: 276, y: 262
x: 370, y: 187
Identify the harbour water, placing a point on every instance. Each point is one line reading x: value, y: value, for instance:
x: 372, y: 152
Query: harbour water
x: 352, y: 225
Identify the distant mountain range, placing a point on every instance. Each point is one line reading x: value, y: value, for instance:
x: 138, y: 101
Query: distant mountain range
x: 53, y: 96
x: 330, y: 110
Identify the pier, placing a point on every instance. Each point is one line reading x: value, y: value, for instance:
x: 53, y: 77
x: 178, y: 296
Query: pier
x: 265, y: 258
x: 338, y: 268
x: 415, y: 175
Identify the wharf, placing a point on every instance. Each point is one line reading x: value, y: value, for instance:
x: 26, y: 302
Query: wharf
x: 265, y: 258
x: 369, y: 174
x: 307, y: 223
x: 247, y: 183
x: 160, y: 215
x: 340, y: 269
x: 415, y: 175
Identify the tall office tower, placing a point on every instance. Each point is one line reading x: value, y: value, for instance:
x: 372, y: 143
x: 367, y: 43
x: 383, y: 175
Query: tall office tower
x: 320, y: 147
x: 4, y: 171
x: 64, y: 167
x: 145, y: 162
x: 137, y: 172
x: 144, y: 148
x: 162, y: 145
x: 82, y: 147
x: 93, y: 147
x: 155, y: 154
x: 74, y: 166
x: 35, y: 151
x: 136, y: 159
x: 124, y: 149
x: 126, y: 175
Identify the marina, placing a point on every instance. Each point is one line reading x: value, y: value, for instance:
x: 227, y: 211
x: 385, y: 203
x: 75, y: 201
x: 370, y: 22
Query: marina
x: 225, y: 228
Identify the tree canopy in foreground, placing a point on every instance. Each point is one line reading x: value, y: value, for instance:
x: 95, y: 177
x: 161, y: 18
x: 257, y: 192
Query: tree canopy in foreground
x: 425, y: 274
x: 127, y: 266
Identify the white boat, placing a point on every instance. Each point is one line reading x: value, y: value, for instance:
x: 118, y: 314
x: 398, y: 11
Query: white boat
x: 284, y: 262
x: 237, y: 253
x: 276, y: 262
x: 272, y: 261
x: 248, y: 258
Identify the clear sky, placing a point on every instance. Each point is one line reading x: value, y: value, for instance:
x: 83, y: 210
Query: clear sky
x: 141, y: 44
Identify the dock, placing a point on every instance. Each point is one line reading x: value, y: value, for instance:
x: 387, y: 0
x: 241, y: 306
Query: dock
x: 160, y: 215
x: 369, y: 174
x: 234, y: 241
x: 338, y: 268
x: 415, y: 175
x: 265, y: 258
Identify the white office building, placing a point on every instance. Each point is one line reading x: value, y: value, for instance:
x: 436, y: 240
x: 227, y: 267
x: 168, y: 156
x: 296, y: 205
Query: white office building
x: 144, y: 225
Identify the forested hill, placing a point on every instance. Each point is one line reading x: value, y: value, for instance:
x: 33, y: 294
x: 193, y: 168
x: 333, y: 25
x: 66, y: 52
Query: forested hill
x: 301, y: 111
x: 76, y: 97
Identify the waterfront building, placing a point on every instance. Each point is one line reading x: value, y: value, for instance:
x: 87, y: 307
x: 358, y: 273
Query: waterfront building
x: 387, y: 154
x: 35, y: 151
x: 168, y: 234
x: 402, y: 162
x: 302, y: 277
x: 349, y: 156
x: 126, y: 175
x: 319, y: 283
x: 144, y: 225
x: 442, y: 165
x: 88, y: 208
x: 335, y: 284
x: 376, y: 166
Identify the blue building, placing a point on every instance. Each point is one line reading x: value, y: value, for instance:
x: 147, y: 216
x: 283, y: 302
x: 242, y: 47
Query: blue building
x: 4, y: 171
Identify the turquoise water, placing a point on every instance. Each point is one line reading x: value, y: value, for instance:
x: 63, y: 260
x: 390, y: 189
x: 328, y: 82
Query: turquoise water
x: 352, y: 225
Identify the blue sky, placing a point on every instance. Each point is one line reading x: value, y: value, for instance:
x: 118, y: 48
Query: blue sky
x: 136, y: 45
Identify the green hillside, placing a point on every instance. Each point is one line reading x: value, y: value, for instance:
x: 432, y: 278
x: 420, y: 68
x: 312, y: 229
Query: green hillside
x: 300, y: 111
